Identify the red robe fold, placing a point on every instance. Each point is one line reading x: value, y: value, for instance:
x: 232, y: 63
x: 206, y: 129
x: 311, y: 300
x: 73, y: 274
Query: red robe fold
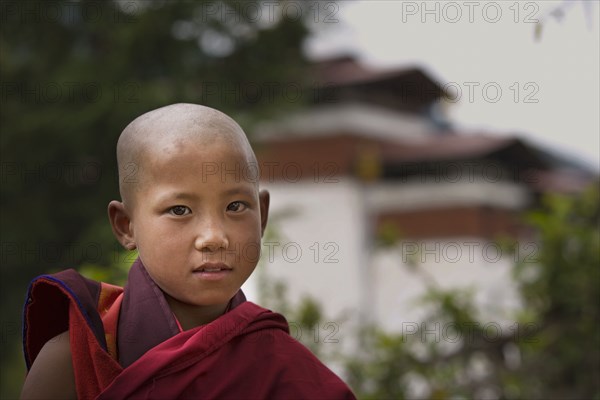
x: 127, y: 345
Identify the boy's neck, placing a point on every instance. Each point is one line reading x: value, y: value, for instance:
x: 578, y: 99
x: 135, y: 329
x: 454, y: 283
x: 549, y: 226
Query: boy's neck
x: 190, y: 316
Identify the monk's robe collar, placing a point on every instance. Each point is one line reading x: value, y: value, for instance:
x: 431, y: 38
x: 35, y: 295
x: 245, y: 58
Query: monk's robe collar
x: 145, y: 319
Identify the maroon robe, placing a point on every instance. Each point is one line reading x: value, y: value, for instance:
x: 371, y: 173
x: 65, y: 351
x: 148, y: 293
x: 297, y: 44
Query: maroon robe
x: 128, y: 345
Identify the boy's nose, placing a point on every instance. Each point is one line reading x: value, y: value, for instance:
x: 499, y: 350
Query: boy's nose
x: 211, y: 237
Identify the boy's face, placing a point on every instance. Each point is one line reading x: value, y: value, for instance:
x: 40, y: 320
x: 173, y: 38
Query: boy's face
x: 196, y: 219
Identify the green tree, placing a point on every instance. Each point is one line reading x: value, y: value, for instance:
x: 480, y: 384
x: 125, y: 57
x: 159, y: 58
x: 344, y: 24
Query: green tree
x: 552, y: 352
x: 561, y: 295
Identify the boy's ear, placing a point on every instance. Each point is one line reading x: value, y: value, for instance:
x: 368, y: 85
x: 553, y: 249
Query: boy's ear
x: 264, y: 199
x: 121, y: 224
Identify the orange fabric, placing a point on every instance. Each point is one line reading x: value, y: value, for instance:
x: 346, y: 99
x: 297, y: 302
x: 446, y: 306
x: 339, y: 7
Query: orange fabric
x: 110, y: 320
x: 107, y: 297
x: 94, y: 368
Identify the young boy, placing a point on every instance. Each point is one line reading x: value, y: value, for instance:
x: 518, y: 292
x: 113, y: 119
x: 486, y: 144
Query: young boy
x: 181, y: 328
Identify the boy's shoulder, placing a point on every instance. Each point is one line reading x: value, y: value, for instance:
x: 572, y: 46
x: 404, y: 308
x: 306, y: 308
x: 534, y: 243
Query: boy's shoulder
x: 51, y: 302
x: 249, y: 345
x: 296, y: 371
x: 51, y: 376
x: 247, y: 352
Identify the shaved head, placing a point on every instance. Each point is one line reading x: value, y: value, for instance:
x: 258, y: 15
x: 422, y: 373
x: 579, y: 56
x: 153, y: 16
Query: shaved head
x: 167, y: 129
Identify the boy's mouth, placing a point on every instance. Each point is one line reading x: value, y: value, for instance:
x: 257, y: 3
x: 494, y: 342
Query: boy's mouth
x: 212, y: 267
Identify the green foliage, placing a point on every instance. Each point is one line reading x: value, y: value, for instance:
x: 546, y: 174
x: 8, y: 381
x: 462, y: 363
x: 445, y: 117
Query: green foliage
x: 118, y: 271
x: 305, y: 319
x: 561, y: 295
x: 387, y: 235
x: 552, y: 352
x: 378, y: 373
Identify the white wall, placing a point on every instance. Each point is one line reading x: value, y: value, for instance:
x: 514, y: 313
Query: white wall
x: 363, y: 119
x: 466, y: 263
x: 380, y: 287
x: 307, y: 216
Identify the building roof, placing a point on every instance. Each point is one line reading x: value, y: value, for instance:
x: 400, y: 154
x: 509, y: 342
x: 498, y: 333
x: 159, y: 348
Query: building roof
x: 344, y: 154
x: 407, y: 89
x: 378, y: 117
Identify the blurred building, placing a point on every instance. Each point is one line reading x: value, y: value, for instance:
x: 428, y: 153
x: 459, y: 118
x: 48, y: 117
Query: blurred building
x: 374, y: 196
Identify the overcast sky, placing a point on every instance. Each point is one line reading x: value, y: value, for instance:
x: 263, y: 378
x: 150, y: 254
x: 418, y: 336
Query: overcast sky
x: 544, y: 90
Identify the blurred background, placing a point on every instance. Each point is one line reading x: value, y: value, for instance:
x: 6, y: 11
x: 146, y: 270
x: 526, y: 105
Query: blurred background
x: 433, y: 169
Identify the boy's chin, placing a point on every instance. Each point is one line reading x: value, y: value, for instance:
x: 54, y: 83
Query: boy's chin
x: 198, y: 301
x: 209, y: 302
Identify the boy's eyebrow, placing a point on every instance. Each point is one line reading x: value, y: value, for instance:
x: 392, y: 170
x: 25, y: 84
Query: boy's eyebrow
x: 248, y: 191
x: 177, y: 196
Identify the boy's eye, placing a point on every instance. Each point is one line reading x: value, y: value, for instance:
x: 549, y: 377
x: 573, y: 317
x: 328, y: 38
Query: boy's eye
x: 180, y: 210
x: 236, y: 206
